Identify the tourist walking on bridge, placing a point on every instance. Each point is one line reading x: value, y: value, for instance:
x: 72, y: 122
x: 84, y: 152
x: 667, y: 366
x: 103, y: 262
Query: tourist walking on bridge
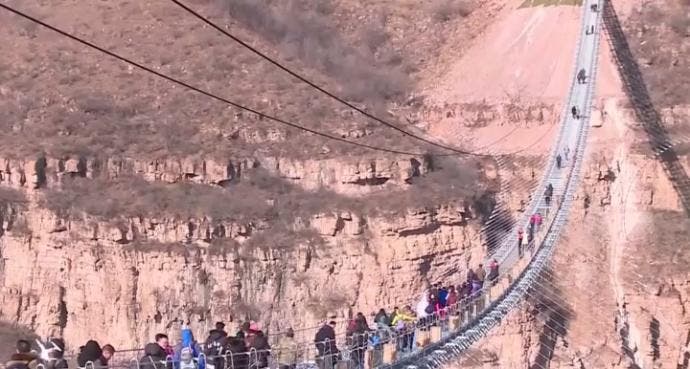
x: 108, y: 353
x: 493, y: 272
x: 575, y: 112
x: 154, y: 357
x: 358, y: 338
x: 326, y: 347
x: 214, y: 349
x: 558, y: 161
x: 287, y: 351
x: 532, y: 224
x: 52, y: 354
x: 547, y: 194
x: 537, y: 222
x: 187, y: 351
x: 480, y: 273
x: 23, y: 358
x: 163, y: 341
x: 90, y: 355
x: 403, y: 323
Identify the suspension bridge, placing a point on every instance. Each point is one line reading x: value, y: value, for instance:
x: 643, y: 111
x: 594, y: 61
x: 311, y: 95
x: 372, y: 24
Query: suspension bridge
x: 442, y: 337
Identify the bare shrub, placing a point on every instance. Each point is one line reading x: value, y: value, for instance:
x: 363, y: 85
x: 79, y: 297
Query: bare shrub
x: 449, y: 182
x: 222, y: 246
x: 20, y: 227
x: 305, y: 32
x: 171, y: 248
x: 135, y: 197
x: 11, y: 197
x: 284, y: 237
x: 446, y: 10
x: 654, y: 34
x: 680, y: 24
x: 328, y: 303
x: 247, y: 310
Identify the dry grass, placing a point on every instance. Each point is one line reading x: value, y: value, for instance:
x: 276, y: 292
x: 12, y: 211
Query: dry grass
x: 446, y: 10
x: 134, y: 197
x: 11, y: 197
x: 658, y: 36
x: 257, y: 195
x: 658, y: 253
x: 62, y: 99
x: 305, y: 31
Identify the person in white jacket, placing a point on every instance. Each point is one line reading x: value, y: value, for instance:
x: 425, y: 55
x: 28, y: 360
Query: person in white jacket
x: 422, y: 306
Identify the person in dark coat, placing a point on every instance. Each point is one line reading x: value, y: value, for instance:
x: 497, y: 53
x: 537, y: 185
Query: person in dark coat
x: 493, y: 272
x: 214, y: 348
x: 237, y: 358
x: 23, y: 357
x: 558, y: 161
x: 548, y: 193
x: 90, y: 355
x: 360, y: 340
x: 382, y: 318
x: 326, y: 346
x: 154, y: 357
x: 470, y: 275
x: 263, y: 350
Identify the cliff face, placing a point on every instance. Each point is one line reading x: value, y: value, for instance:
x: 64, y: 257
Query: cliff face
x: 123, y: 281
x: 616, y: 294
x: 339, y: 175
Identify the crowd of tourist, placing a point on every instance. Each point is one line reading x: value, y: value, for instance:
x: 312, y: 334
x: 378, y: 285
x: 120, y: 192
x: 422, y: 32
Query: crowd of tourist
x: 250, y: 348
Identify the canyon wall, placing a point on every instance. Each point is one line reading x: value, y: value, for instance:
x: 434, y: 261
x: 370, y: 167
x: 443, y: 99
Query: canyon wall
x: 616, y: 293
x: 122, y: 282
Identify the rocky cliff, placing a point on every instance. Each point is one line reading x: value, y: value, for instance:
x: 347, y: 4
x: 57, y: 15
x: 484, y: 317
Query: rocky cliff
x: 616, y: 293
x: 148, y: 273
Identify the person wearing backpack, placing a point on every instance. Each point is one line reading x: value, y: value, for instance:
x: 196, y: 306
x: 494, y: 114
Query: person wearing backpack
x: 214, y: 349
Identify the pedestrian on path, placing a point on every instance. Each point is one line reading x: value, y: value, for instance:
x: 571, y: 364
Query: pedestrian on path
x: 576, y: 114
x: 558, y: 161
x: 581, y: 76
x: 537, y: 221
x: 548, y: 193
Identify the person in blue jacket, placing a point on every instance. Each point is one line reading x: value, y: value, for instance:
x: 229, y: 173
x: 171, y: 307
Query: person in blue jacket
x: 187, y: 352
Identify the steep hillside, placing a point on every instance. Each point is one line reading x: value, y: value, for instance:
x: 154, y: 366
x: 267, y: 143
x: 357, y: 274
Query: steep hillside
x: 616, y: 293
x: 127, y: 198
